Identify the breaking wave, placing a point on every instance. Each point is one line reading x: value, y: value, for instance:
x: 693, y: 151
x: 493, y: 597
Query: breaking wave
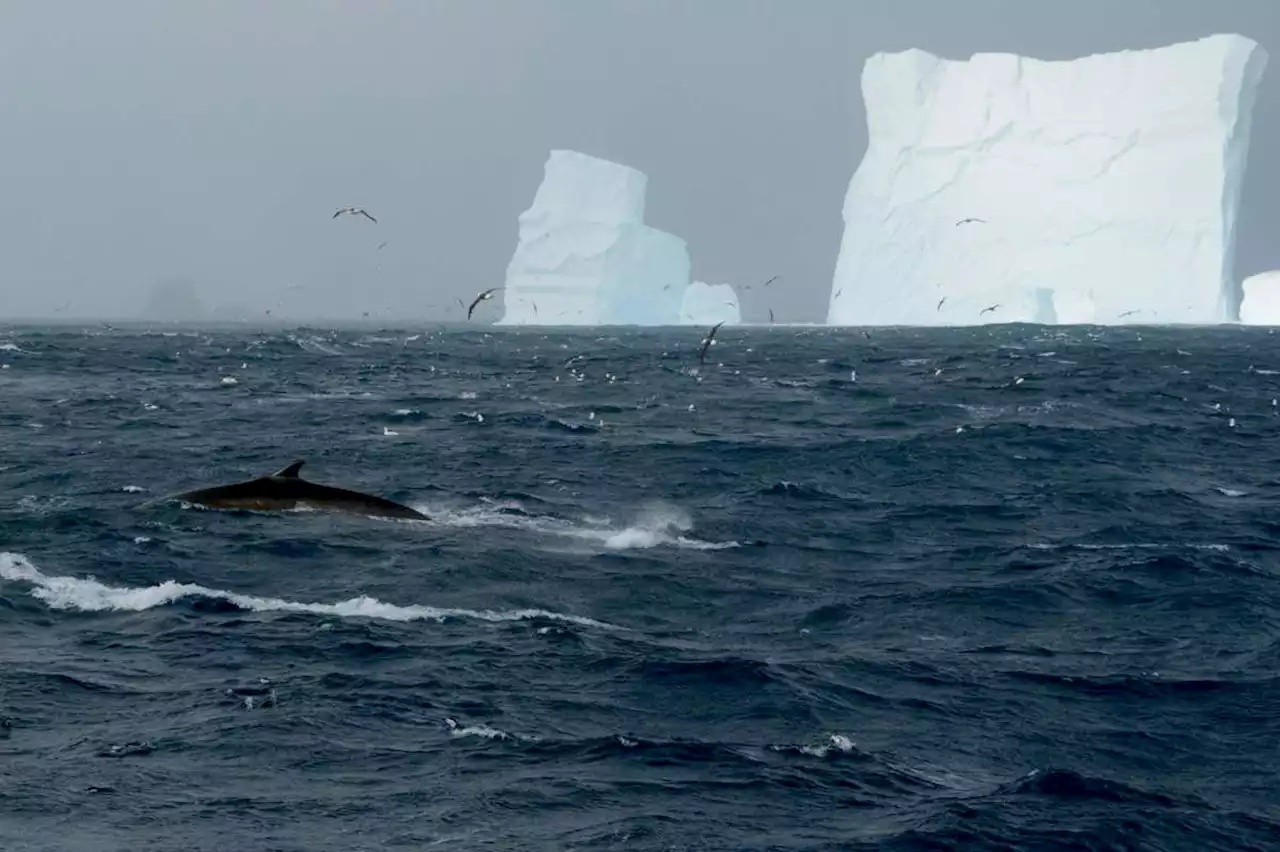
x: 90, y: 595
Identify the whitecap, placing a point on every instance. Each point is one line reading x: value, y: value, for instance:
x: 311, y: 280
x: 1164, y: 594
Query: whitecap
x: 838, y: 743
x: 89, y: 595
x: 657, y: 524
x: 482, y: 731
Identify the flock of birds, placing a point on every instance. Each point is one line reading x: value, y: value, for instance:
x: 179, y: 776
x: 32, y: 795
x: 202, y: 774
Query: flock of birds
x: 485, y: 295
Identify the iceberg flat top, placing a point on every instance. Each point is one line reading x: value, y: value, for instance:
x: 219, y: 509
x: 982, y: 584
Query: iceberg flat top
x: 1101, y: 87
x: 580, y: 188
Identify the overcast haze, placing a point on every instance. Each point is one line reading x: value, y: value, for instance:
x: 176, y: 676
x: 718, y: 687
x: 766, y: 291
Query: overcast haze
x: 211, y: 140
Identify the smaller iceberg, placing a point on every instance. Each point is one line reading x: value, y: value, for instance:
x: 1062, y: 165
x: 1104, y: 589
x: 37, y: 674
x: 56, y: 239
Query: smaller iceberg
x: 585, y: 255
x: 1260, y: 299
x: 708, y: 304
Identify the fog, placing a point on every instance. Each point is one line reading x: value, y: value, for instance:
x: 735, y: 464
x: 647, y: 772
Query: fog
x: 168, y: 158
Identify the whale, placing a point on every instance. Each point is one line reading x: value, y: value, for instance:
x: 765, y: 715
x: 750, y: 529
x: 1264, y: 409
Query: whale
x: 285, y: 490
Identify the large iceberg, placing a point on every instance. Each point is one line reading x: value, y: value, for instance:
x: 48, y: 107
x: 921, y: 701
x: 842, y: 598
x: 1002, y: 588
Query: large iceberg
x: 585, y: 255
x: 708, y: 304
x: 1104, y: 188
x: 1261, y: 299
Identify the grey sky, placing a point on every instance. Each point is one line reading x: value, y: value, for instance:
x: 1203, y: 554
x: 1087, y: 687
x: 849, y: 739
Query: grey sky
x: 212, y: 140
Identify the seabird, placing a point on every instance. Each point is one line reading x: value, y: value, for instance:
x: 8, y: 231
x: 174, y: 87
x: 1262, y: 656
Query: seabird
x: 940, y: 301
x: 1127, y: 314
x: 770, y: 281
x: 706, y: 344
x: 970, y: 219
x: 985, y: 310
x: 771, y: 315
x: 487, y: 294
x: 355, y: 211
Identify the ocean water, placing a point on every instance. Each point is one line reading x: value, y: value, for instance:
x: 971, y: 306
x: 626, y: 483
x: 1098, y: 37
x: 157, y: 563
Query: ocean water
x: 1007, y: 588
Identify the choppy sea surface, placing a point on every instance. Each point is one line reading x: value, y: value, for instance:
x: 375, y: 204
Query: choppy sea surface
x: 1002, y: 588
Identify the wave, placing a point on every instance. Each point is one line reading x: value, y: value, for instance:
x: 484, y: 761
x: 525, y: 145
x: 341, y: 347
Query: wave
x: 89, y: 595
x: 315, y: 344
x: 833, y: 761
x: 1066, y: 784
x: 802, y: 492
x: 657, y: 751
x: 1136, y: 545
x: 1131, y: 687
x: 457, y: 729
x: 835, y: 744
x: 1042, y: 807
x: 732, y: 670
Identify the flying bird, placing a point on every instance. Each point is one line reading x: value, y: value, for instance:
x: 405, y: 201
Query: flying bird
x: 986, y: 310
x: 970, y: 219
x: 487, y: 294
x: 940, y: 301
x: 706, y: 344
x: 355, y: 211
x: 771, y: 315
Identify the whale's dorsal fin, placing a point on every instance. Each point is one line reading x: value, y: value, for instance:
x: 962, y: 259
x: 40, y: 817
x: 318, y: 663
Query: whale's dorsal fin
x: 290, y: 472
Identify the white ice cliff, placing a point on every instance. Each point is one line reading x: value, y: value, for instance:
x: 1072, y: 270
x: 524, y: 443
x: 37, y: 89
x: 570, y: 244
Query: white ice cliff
x: 1107, y: 187
x: 585, y: 256
x: 1261, y: 305
x: 708, y: 304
